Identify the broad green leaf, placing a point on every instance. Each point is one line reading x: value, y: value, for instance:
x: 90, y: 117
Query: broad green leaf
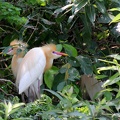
x: 90, y: 11
x: 61, y: 85
x: 49, y: 76
x: 105, y: 18
x: 73, y: 74
x: 108, y: 95
x: 86, y: 65
x: 101, y: 7
x: 73, y: 62
x: 70, y: 50
x: 64, y: 68
x: 116, y: 18
x: 59, y: 47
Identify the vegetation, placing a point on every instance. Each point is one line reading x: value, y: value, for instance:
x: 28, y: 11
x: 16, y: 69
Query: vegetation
x: 88, y: 31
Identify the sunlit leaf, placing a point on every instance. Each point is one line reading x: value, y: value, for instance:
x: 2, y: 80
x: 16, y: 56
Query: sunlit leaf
x: 113, y: 79
x: 115, y: 56
x: 114, y: 9
x: 116, y: 18
x: 59, y: 10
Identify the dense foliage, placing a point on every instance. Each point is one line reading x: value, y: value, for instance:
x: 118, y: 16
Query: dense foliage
x: 88, y: 31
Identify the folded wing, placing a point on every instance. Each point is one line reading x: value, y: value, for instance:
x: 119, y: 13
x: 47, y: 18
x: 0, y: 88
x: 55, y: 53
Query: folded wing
x: 31, y: 69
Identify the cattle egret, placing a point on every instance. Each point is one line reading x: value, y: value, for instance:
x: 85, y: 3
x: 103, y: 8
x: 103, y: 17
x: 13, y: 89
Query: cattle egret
x: 32, y: 67
x: 17, y: 49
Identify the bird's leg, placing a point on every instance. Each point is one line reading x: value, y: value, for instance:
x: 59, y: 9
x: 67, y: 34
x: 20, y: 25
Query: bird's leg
x: 39, y: 88
x: 23, y: 97
x: 31, y: 96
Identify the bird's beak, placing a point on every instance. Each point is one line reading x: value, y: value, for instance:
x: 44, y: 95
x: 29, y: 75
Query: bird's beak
x: 60, y: 53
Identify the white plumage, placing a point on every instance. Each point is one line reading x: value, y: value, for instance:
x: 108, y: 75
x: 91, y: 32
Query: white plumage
x: 31, y: 70
x: 32, y: 67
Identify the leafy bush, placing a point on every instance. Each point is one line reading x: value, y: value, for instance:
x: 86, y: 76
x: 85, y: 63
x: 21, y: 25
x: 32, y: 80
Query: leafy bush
x: 11, y: 14
x: 87, y: 31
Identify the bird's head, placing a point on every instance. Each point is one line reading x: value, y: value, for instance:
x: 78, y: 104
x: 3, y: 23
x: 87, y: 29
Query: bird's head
x: 51, y: 51
x: 16, y: 47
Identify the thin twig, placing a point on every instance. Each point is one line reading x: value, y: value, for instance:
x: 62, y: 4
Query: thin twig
x: 33, y: 30
x: 7, y: 81
x: 6, y: 93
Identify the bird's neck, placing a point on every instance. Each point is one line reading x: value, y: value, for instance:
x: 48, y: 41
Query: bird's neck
x: 16, y: 59
x: 49, y: 60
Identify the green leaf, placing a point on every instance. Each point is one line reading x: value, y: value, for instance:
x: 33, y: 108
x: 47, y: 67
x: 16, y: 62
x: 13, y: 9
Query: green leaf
x: 59, y: 10
x: 115, y: 56
x: 49, y: 76
x: 104, y: 18
x: 108, y: 95
x: 18, y: 105
x: 73, y: 74
x: 118, y: 94
x: 76, y: 8
x: 73, y: 62
x: 90, y: 11
x: 101, y: 6
x: 47, y: 22
x: 54, y: 93
x: 70, y: 50
x: 59, y: 47
x: 110, y: 82
x: 86, y: 65
x: 100, y: 76
x: 114, y: 9
x: 61, y: 85
x: 116, y: 18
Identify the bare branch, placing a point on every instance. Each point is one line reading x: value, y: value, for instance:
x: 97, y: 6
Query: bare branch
x: 7, y: 81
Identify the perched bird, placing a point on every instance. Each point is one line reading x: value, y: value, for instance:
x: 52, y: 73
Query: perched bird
x: 32, y: 67
x: 17, y: 49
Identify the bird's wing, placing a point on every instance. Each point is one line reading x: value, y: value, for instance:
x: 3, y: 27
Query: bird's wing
x: 31, y: 68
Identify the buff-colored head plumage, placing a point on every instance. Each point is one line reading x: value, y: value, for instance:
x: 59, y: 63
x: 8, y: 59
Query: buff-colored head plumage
x: 18, y: 44
x: 50, y: 47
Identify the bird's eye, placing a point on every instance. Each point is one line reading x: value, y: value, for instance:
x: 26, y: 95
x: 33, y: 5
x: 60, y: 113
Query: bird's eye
x: 53, y: 52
